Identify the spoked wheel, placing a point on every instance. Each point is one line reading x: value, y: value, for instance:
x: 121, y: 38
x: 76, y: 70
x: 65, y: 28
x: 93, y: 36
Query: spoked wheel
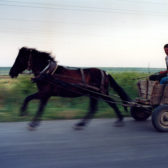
x: 140, y: 113
x: 160, y: 118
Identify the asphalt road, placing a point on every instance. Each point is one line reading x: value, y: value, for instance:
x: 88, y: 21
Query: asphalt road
x: 56, y: 145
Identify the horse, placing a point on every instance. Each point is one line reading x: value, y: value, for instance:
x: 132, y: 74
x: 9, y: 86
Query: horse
x: 56, y: 80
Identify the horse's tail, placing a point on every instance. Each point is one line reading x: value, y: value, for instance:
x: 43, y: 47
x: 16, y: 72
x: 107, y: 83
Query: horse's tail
x: 123, y: 95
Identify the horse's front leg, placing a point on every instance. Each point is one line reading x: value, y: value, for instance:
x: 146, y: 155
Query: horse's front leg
x: 92, y: 110
x: 26, y: 101
x: 37, y: 118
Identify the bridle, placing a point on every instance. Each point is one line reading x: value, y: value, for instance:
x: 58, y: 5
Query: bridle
x: 29, y: 64
x: 49, y: 69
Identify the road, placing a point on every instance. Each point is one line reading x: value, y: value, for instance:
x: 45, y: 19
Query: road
x: 100, y: 145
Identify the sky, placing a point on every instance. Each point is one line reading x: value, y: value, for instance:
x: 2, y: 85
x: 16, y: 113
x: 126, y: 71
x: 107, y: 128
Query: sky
x: 86, y: 33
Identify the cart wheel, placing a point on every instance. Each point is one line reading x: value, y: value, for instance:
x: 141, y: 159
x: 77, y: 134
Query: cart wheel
x: 160, y: 118
x: 140, y: 113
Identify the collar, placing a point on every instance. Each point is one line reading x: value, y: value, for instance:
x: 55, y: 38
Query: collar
x: 50, y: 68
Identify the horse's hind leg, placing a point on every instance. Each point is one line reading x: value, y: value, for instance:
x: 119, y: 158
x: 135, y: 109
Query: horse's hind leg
x: 37, y: 118
x: 26, y: 101
x: 89, y: 115
x: 112, y: 103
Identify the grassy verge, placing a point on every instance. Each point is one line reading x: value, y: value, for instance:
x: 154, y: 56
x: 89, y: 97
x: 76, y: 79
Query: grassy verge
x: 13, y: 92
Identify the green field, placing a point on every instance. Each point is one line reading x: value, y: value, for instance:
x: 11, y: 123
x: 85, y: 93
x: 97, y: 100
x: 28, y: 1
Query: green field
x: 5, y: 70
x: 13, y: 92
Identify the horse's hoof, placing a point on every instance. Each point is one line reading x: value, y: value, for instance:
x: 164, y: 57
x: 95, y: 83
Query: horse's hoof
x: 78, y: 128
x: 22, y: 115
x: 119, y: 123
x: 32, y: 126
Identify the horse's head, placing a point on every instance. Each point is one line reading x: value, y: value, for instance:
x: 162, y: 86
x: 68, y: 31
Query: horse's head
x: 21, y: 63
x: 30, y: 59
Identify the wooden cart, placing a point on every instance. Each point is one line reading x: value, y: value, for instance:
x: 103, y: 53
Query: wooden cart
x: 153, y: 100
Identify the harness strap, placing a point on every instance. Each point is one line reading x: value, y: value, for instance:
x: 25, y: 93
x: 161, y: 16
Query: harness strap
x: 53, y: 67
x: 102, y: 89
x: 83, y: 75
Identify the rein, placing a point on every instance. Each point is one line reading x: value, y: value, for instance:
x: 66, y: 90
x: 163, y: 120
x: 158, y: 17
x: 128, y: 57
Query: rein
x: 29, y: 64
x: 94, y: 91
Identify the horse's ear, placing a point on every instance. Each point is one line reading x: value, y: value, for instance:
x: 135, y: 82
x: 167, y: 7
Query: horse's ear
x: 23, y: 48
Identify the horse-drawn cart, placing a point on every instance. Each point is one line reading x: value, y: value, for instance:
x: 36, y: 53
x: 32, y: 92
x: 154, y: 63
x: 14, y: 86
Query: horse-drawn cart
x: 153, y: 100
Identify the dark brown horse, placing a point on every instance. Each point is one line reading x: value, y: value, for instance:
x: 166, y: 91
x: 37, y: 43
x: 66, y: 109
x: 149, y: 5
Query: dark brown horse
x: 56, y: 80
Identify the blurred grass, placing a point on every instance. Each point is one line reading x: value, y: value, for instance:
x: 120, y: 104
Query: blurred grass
x: 13, y: 92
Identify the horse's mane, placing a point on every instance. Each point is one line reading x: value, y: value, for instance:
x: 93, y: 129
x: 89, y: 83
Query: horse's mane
x: 45, y: 55
x: 41, y: 54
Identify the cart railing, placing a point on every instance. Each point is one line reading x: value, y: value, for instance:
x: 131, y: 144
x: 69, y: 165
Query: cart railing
x: 152, y: 92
